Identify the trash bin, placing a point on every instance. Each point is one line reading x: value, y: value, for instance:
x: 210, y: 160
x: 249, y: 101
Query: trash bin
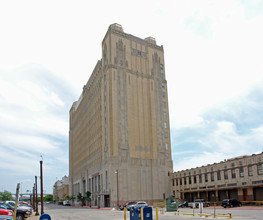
x: 135, y: 213
x: 171, y: 204
x: 147, y: 213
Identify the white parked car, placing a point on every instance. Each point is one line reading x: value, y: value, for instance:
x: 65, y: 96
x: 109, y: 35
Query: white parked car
x: 137, y: 204
x: 66, y: 202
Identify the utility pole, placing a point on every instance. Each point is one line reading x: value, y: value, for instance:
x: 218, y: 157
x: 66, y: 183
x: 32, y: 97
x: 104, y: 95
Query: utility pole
x: 36, y: 197
x: 41, y: 180
x: 117, y: 175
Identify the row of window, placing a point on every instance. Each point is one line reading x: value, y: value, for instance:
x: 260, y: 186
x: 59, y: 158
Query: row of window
x: 218, y: 174
x: 164, y: 113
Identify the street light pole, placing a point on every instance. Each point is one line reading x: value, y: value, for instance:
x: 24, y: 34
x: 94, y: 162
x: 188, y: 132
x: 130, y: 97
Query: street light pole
x: 41, y: 180
x: 34, y: 202
x: 36, y: 197
x: 117, y: 175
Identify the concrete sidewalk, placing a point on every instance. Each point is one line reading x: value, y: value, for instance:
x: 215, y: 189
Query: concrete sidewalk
x: 34, y: 216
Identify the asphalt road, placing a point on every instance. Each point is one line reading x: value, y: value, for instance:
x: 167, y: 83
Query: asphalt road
x: 58, y: 212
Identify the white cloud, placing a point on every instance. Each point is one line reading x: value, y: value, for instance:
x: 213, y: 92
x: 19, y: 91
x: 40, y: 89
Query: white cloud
x: 198, y: 160
x: 222, y: 143
x: 213, y: 52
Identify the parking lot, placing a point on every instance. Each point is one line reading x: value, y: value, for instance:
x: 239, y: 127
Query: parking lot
x: 58, y: 212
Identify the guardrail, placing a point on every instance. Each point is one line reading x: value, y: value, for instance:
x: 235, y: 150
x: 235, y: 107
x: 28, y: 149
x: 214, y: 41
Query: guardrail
x: 229, y: 215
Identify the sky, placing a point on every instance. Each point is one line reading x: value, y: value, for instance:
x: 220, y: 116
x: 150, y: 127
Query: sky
x: 48, y: 49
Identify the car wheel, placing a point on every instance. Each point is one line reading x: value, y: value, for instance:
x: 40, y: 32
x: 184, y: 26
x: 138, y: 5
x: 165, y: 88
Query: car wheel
x: 239, y: 204
x: 208, y: 205
x: 19, y: 217
x: 224, y: 206
x: 231, y: 206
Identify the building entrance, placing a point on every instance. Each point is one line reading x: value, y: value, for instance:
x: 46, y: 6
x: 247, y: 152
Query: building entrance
x: 106, y: 200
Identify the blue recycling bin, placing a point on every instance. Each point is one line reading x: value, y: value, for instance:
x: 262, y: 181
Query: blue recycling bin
x: 135, y: 213
x: 147, y: 213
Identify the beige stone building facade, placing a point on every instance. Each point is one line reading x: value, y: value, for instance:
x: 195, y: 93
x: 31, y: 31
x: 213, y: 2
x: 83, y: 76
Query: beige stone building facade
x: 61, y: 189
x: 240, y: 178
x: 119, y: 138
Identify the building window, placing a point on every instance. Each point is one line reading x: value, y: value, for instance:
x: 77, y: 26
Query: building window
x: 162, y: 76
x: 164, y: 104
x: 161, y: 66
x: 180, y: 181
x: 200, y: 178
x: 165, y: 125
x: 162, y: 85
x: 185, y: 181
x: 260, y: 171
x: 174, y: 193
x: 212, y: 177
x: 163, y: 94
x: 92, y: 184
x: 233, y: 172
x: 106, y: 179
x: 218, y: 175
x: 225, y: 175
x: 206, y: 178
x: 167, y: 156
x: 194, y: 179
x: 250, y: 171
x: 176, y: 182
x: 232, y: 164
x: 165, y: 134
x: 166, y: 146
x: 173, y: 182
x: 241, y: 172
x: 89, y: 184
x: 164, y: 115
x: 190, y: 180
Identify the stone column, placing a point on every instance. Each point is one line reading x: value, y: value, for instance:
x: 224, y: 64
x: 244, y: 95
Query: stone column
x: 216, y: 195
x: 240, y: 195
x: 250, y: 194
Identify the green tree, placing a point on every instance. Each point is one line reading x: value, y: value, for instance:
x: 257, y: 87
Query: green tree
x: 81, y: 199
x: 48, y: 198
x: 88, y: 194
x: 5, y: 196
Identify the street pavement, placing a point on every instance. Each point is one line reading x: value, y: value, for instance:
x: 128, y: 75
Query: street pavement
x: 58, y: 212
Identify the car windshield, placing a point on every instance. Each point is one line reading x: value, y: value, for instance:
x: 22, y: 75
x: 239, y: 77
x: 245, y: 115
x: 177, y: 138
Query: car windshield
x: 4, y: 206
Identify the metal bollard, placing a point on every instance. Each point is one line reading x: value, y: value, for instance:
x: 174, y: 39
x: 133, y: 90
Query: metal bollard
x: 141, y: 213
x: 124, y: 213
x: 230, y: 216
x: 157, y: 217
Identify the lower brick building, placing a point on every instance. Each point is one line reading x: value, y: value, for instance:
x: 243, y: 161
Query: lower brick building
x: 236, y: 178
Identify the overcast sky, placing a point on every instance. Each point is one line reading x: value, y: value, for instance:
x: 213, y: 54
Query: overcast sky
x: 48, y: 49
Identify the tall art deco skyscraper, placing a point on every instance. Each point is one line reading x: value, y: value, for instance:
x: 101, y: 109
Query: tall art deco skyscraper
x: 119, y: 138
